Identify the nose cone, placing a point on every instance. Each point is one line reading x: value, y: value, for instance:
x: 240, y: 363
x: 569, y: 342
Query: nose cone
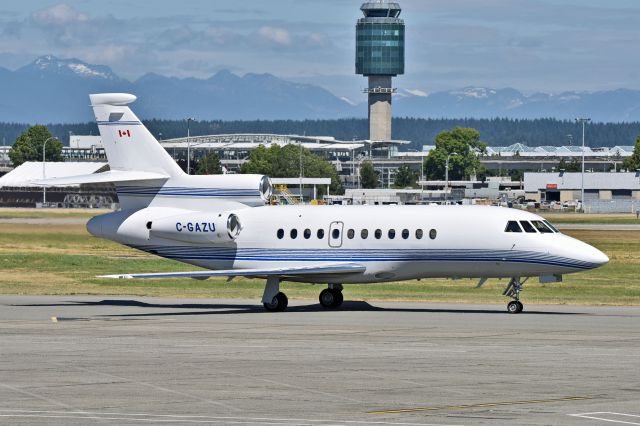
x: 591, y: 256
x: 595, y: 256
x: 94, y: 226
x: 583, y: 255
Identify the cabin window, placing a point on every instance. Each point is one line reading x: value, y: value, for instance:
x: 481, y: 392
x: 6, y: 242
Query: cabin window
x: 405, y: 234
x: 391, y: 234
x: 419, y: 234
x: 433, y: 234
x: 541, y: 227
x: 512, y: 226
x: 320, y: 234
x: 294, y: 234
x: 553, y: 228
x: 351, y: 233
x: 378, y: 234
x: 307, y: 234
x: 364, y: 234
x: 280, y: 234
x: 335, y: 234
x: 527, y: 227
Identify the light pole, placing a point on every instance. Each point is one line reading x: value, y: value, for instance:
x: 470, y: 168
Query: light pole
x: 44, y: 188
x: 189, y: 120
x: 446, y: 175
x: 301, y: 173
x: 584, y: 121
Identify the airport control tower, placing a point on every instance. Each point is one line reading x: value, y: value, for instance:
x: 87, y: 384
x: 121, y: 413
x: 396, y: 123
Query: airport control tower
x: 380, y: 56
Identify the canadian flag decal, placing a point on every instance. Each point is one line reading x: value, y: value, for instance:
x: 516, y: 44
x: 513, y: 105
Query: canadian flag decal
x: 122, y: 133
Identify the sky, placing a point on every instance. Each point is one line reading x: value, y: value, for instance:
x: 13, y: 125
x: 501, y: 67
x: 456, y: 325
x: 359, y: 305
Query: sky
x: 530, y: 45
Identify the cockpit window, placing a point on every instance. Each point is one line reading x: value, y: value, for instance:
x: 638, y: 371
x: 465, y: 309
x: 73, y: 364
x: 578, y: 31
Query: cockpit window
x: 527, y: 227
x: 512, y: 226
x: 541, y: 227
x: 553, y: 228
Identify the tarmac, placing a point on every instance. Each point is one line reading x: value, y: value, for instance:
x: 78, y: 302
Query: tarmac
x: 83, y: 359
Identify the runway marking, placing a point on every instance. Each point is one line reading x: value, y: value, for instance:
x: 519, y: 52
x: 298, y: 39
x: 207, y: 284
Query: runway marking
x: 162, y: 388
x: 600, y: 413
x: 287, y: 385
x: 169, y: 418
x: 34, y: 395
x: 481, y: 405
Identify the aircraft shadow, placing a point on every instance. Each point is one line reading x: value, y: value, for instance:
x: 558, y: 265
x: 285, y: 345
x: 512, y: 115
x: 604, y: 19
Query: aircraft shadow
x: 234, y: 308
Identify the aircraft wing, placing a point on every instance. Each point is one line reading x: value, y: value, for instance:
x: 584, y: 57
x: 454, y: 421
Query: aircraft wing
x: 325, y: 269
x: 104, y: 177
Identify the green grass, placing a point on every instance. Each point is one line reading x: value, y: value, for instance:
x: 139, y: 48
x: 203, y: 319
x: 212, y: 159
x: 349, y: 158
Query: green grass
x: 64, y: 260
x: 579, y: 218
x: 19, y: 213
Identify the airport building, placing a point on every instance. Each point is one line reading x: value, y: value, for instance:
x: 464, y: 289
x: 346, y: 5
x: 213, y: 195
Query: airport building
x: 603, y: 192
x: 348, y: 156
x: 18, y: 188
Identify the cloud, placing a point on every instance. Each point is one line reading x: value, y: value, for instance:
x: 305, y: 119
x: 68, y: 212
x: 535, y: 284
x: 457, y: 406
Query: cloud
x: 417, y: 92
x: 60, y: 14
x: 317, y: 40
x: 275, y: 35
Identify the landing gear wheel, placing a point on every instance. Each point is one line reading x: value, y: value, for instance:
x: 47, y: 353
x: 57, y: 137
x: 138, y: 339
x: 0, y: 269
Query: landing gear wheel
x: 330, y: 298
x: 515, y: 307
x: 278, y: 303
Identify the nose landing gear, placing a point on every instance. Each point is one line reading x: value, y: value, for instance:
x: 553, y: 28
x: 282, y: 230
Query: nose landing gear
x: 513, y: 291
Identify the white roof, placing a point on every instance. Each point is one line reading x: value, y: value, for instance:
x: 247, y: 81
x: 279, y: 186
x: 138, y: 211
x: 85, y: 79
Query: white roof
x: 230, y: 146
x: 305, y: 181
x: 573, y: 181
x: 23, y: 175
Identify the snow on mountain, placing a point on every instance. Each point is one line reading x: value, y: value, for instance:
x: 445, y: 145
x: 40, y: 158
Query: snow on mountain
x: 54, y: 66
x: 51, y: 89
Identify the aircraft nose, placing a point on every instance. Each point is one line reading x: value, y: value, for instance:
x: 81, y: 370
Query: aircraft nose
x: 593, y: 255
x: 94, y: 226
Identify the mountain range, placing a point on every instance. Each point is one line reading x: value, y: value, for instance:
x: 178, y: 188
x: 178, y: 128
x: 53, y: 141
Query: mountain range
x: 53, y: 90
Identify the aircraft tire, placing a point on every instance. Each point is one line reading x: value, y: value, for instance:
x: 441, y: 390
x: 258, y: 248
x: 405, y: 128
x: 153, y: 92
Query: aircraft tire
x: 339, y: 299
x: 330, y: 298
x: 278, y: 304
x: 515, y: 307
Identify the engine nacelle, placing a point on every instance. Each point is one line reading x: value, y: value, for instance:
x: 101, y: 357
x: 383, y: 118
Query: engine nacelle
x: 197, y: 228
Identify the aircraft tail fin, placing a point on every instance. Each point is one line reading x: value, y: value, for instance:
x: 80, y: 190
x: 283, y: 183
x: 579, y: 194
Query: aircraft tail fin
x: 127, y: 142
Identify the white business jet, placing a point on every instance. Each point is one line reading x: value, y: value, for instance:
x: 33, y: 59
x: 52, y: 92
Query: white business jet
x: 222, y: 223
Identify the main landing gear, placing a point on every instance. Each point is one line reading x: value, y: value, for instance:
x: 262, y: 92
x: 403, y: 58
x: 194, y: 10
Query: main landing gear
x: 331, y: 298
x: 513, y: 291
x: 276, y: 301
x: 272, y: 299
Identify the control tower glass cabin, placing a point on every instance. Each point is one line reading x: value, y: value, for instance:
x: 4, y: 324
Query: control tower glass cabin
x: 380, y: 56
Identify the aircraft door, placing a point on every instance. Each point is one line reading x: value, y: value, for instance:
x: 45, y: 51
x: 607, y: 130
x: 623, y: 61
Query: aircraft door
x: 335, y: 234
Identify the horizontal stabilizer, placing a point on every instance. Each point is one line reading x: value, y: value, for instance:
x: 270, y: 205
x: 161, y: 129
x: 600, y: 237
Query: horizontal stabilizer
x: 112, y: 176
x: 327, y: 269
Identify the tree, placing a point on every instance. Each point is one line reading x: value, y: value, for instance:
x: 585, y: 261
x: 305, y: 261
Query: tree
x: 368, y: 175
x: 28, y: 146
x: 405, y: 177
x: 573, y: 166
x: 633, y: 163
x: 284, y: 161
x: 464, y: 145
x: 209, y: 165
